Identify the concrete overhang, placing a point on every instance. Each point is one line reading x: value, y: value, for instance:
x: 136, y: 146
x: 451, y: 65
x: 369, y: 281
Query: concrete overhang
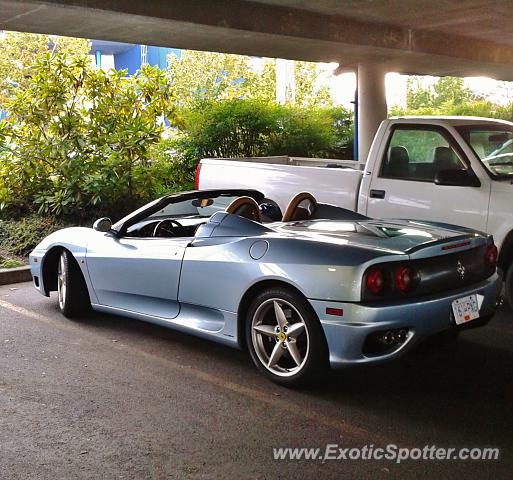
x: 437, y: 37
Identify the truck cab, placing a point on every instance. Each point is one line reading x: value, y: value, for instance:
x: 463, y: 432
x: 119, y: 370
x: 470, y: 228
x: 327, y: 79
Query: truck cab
x: 456, y: 170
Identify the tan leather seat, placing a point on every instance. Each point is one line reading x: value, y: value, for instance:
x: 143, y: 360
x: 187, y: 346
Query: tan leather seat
x: 295, y: 212
x: 245, y: 207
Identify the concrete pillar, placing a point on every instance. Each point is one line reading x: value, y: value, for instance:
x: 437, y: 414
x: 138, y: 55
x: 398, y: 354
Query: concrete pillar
x: 372, y: 105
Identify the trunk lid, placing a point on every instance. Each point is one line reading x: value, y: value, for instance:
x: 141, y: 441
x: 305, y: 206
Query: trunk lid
x: 443, y: 257
x: 416, y: 239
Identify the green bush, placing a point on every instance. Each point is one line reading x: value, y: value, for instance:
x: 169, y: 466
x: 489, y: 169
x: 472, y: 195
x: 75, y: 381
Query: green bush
x: 78, y: 139
x: 79, y: 142
x: 251, y: 128
x: 19, y: 237
x: 10, y: 263
x: 172, y: 167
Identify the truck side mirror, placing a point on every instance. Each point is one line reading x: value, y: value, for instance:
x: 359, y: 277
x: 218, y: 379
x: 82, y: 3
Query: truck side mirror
x: 457, y: 178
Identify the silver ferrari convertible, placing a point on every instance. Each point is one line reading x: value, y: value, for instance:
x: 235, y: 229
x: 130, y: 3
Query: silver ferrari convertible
x: 303, y: 289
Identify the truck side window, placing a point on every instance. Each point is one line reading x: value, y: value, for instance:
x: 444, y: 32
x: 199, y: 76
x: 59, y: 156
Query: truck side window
x: 417, y: 154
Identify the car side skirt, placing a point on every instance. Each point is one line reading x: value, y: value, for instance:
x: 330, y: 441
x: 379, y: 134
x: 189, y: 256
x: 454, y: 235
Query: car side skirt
x: 212, y: 325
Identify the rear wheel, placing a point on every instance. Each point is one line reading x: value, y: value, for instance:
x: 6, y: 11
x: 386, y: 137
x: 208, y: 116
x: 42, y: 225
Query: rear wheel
x: 508, y: 286
x: 71, y: 288
x: 285, y: 338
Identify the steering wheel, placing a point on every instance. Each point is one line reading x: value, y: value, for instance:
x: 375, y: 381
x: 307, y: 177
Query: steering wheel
x: 166, y: 228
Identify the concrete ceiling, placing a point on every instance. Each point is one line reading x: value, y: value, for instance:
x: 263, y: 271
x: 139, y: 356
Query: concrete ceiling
x: 489, y: 20
x: 439, y: 37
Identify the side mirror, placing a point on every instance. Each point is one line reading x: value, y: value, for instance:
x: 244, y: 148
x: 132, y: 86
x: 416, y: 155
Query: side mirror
x: 457, y: 178
x: 103, y: 225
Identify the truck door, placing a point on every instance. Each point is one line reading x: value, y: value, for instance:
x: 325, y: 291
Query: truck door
x: 403, y: 185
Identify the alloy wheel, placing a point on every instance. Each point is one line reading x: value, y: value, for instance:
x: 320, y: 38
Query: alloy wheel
x: 61, y: 281
x: 280, y: 337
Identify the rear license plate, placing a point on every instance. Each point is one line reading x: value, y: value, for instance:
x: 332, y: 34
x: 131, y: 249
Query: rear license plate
x: 465, y: 309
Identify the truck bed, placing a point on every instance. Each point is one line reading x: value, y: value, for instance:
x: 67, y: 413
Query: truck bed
x: 330, y: 181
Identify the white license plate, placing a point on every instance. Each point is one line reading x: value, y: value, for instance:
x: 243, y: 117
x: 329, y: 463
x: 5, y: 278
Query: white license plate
x: 465, y: 309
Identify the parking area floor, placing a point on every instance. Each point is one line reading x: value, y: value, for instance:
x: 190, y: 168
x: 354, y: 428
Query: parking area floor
x: 109, y: 397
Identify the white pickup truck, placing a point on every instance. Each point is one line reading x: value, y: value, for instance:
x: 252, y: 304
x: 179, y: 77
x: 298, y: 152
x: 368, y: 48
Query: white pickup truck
x: 456, y: 170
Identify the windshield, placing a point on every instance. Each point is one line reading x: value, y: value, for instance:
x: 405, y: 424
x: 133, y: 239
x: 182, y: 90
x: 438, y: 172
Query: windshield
x: 493, y: 146
x: 199, y: 208
x: 190, y: 214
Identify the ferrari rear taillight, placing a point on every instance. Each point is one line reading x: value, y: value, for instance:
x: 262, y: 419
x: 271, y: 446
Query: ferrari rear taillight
x: 375, y: 281
x: 491, y: 255
x: 403, y: 278
x: 197, y: 177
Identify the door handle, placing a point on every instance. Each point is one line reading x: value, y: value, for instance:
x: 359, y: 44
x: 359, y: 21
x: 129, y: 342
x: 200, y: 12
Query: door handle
x: 377, y: 193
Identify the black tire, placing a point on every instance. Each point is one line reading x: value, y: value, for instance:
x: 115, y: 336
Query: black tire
x: 508, y: 287
x: 73, y: 298
x: 310, y: 343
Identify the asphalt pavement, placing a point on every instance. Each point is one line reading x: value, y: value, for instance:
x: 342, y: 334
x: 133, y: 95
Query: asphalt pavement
x: 111, y: 398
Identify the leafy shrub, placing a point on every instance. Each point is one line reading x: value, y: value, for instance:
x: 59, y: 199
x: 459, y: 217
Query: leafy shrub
x: 251, y: 128
x: 313, y: 132
x: 19, y: 237
x: 79, y: 142
x: 78, y: 138
x: 10, y: 263
x: 173, y: 164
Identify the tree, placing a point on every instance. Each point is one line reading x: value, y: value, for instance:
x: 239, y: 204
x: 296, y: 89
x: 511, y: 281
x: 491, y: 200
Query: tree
x: 78, y: 139
x: 416, y: 95
x: 308, y: 93
x: 202, y: 77
x: 20, y: 52
x: 445, y: 93
x: 452, y: 90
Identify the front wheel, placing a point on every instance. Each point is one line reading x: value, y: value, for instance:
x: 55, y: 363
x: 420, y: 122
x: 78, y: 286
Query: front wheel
x: 285, y: 338
x: 71, y: 288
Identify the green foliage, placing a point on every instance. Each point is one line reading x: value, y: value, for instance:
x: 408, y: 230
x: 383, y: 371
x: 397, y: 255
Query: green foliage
x: 174, y: 162
x: 200, y: 78
x: 20, y: 52
x: 79, y: 139
x: 446, y: 93
x: 308, y: 94
x: 449, y: 96
x: 79, y: 142
x: 231, y: 128
x: 19, y: 237
x: 10, y: 263
x: 250, y: 128
x: 474, y: 108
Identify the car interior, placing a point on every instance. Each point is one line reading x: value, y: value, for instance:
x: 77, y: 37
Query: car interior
x: 400, y: 165
x: 182, y: 219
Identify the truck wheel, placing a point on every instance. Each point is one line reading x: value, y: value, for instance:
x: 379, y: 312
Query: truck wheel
x: 285, y: 338
x: 71, y: 287
x: 508, y: 286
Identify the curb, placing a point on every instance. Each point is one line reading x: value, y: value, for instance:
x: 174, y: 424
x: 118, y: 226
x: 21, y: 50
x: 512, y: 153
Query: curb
x: 15, y: 275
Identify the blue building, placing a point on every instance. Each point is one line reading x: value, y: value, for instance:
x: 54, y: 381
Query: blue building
x: 128, y: 56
